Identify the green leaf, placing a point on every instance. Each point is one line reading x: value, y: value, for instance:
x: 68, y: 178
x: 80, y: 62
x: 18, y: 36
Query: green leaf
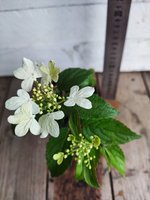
x: 97, y: 154
x: 79, y: 171
x: 76, y: 76
x: 90, y: 177
x: 74, y: 124
x: 110, y: 131
x: 100, y: 109
x: 115, y: 158
x: 54, y: 146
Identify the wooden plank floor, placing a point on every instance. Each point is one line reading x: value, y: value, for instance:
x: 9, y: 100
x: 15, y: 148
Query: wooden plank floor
x: 23, y: 171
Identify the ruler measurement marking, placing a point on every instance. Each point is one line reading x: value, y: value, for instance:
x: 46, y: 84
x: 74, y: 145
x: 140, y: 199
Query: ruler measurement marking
x: 117, y: 18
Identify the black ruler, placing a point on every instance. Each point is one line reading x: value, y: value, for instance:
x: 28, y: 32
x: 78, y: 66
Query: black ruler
x: 117, y: 20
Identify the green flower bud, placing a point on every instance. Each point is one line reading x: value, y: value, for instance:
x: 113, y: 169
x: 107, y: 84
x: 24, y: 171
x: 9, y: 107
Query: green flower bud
x: 96, y: 141
x: 59, y: 157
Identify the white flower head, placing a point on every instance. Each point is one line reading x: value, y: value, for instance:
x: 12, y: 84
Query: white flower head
x: 28, y: 73
x: 78, y: 97
x: 14, y: 103
x: 50, y: 73
x: 49, y: 125
x: 25, y: 121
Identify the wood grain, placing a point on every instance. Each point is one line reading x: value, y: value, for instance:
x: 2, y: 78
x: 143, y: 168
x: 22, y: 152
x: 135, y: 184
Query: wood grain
x: 67, y: 188
x: 53, y: 41
x: 7, y: 6
x: 39, y: 34
x: 146, y: 79
x: 106, y: 192
x: 22, y: 168
x: 135, y: 112
x: 4, y: 86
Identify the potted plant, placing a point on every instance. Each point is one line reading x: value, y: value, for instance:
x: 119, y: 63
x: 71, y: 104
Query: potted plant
x: 81, y: 126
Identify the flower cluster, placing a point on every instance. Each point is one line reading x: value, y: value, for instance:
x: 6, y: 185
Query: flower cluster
x: 40, y: 112
x: 80, y: 148
x: 46, y: 98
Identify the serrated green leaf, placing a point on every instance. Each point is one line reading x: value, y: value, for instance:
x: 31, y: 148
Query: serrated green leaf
x: 54, y: 146
x: 76, y: 76
x: 115, y: 158
x: 100, y: 109
x: 90, y: 177
x: 110, y: 131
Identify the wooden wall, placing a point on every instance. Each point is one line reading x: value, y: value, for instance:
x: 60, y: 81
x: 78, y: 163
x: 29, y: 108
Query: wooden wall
x: 72, y: 32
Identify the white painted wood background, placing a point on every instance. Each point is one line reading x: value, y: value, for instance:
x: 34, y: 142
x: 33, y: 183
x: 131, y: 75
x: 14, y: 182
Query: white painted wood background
x: 71, y: 32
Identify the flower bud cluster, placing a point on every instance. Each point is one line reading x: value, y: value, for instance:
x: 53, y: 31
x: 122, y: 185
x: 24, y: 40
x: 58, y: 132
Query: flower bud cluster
x: 81, y: 149
x: 46, y: 98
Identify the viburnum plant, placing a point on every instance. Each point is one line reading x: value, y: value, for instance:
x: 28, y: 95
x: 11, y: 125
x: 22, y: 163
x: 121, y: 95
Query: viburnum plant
x: 79, y: 123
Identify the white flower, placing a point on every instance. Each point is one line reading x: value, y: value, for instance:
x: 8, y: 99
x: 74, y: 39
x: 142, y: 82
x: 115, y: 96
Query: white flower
x: 78, y: 97
x: 50, y: 73
x: 49, y: 125
x: 28, y: 73
x: 23, y: 97
x: 25, y: 121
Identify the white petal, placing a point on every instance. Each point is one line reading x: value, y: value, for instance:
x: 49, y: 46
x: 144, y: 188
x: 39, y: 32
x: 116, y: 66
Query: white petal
x: 42, y: 119
x: 54, y: 128
x: 45, y: 80
x: 26, y: 109
x: 14, y: 119
x: 35, y: 108
x: 44, y: 69
x: 23, y: 94
x: 70, y: 102
x: 48, y: 125
x: 17, y: 111
x: 57, y: 115
x: 22, y: 129
x: 84, y: 103
x: 14, y: 103
x: 44, y: 134
x: 74, y: 90
x: 28, y: 65
x: 44, y: 123
x: 86, y: 92
x: 37, y: 73
x: 27, y: 84
x: 35, y: 127
x: 20, y: 73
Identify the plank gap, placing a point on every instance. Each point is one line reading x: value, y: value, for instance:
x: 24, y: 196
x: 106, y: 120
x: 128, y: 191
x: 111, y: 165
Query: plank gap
x: 98, y: 77
x: 146, y: 80
x: 111, y: 185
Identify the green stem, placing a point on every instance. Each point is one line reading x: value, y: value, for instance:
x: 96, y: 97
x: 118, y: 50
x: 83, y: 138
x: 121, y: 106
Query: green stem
x: 62, y: 101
